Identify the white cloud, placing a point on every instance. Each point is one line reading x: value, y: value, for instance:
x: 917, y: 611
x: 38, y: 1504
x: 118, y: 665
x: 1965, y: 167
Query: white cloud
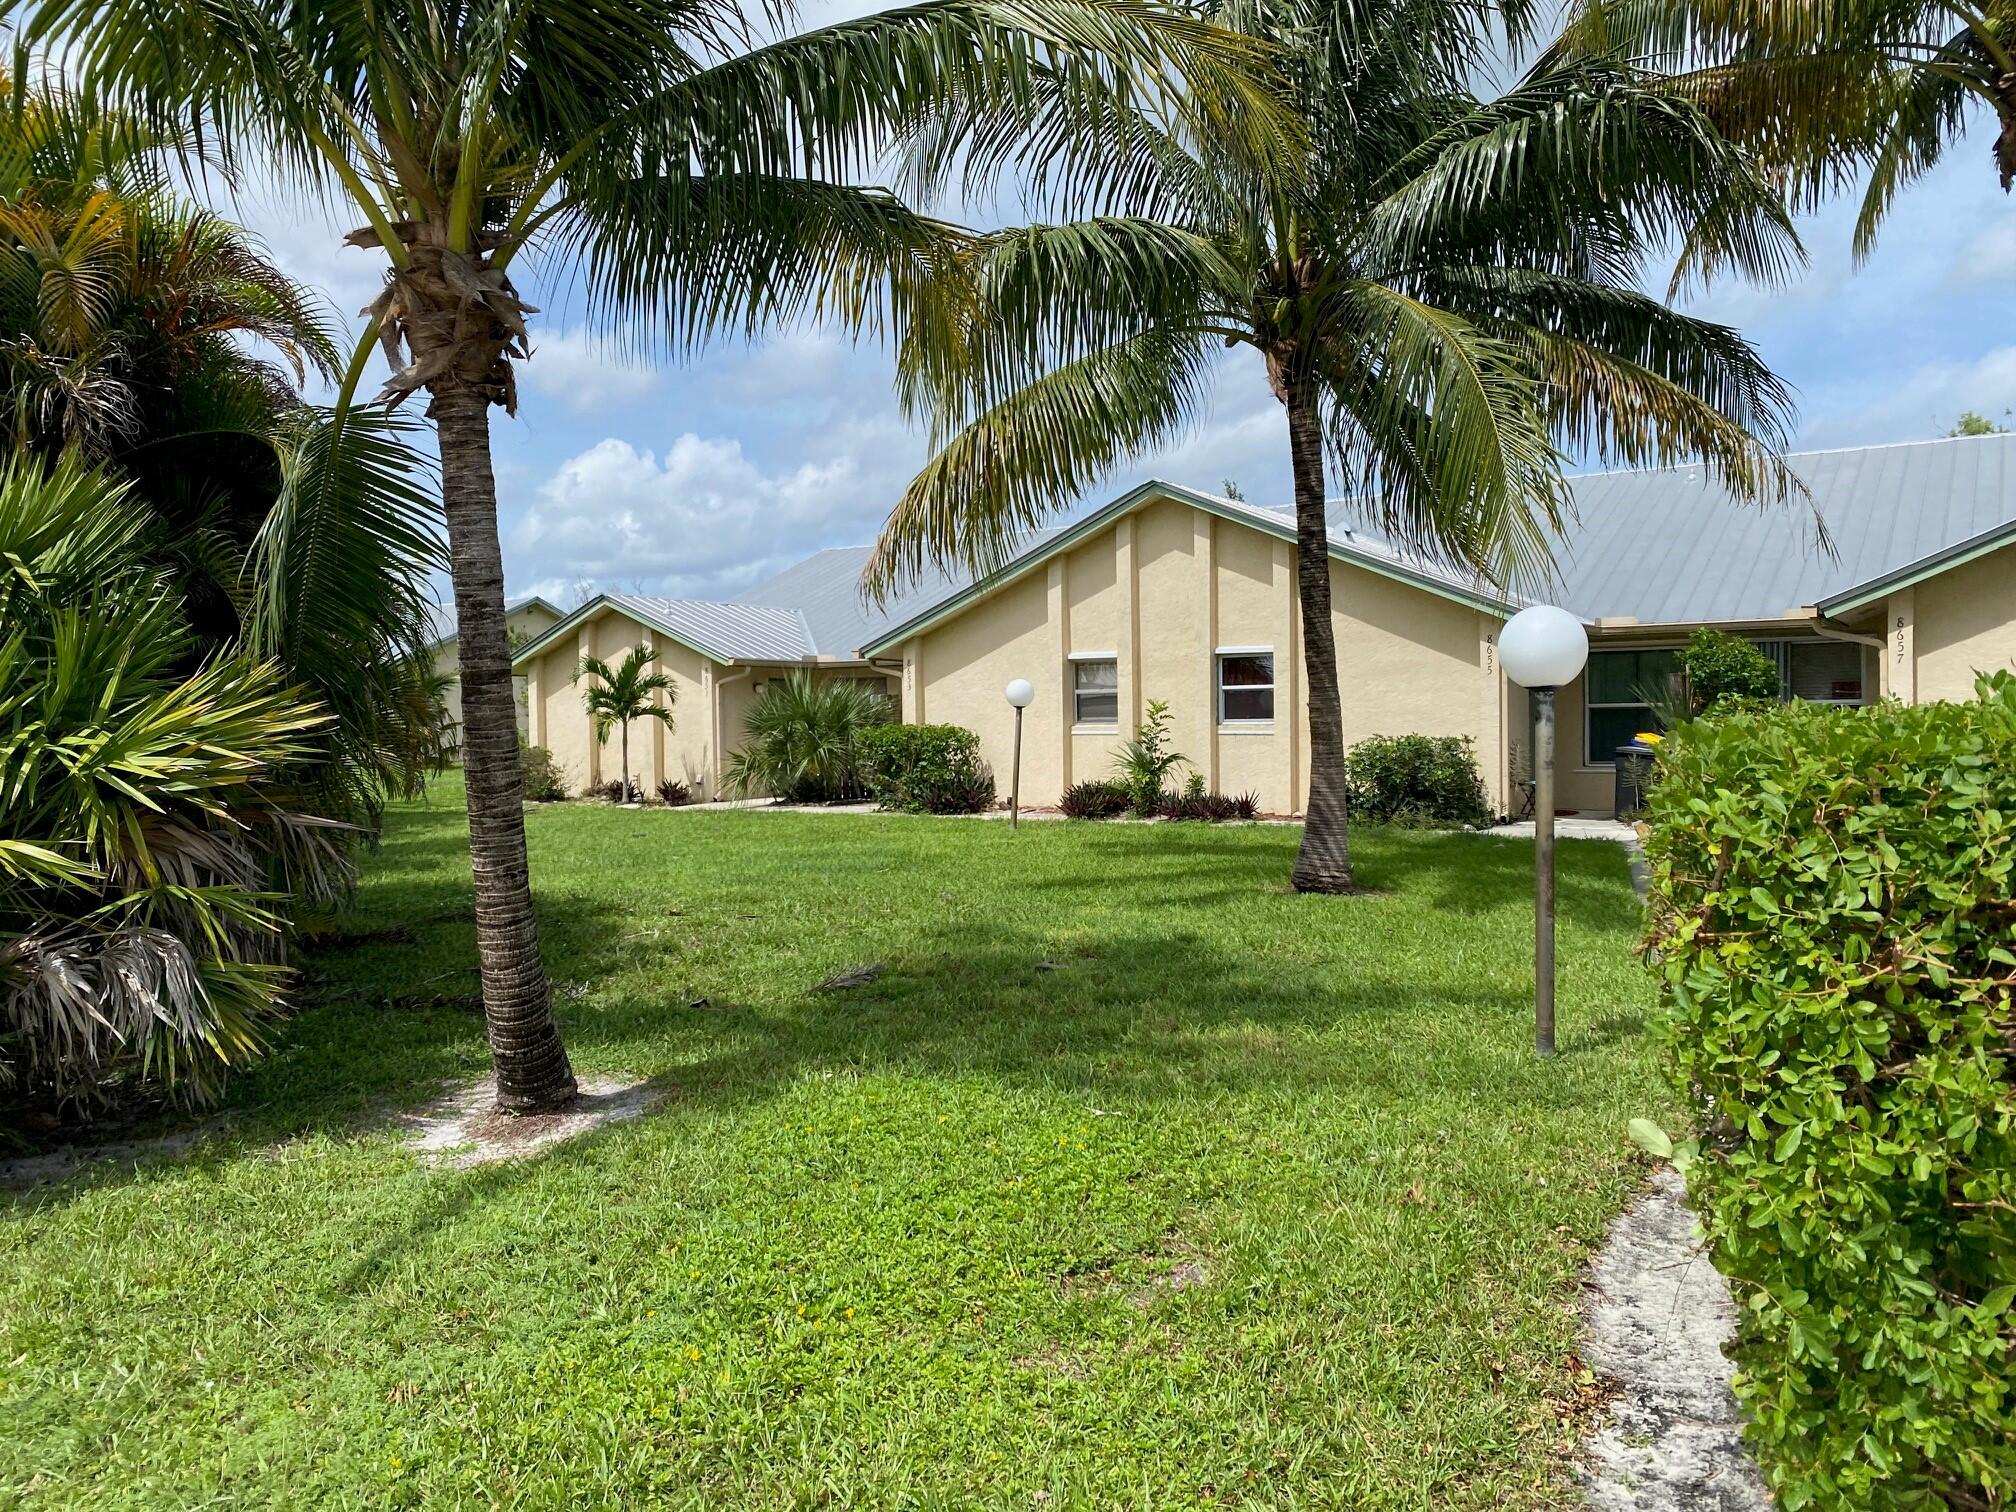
x: 1990, y: 257
x: 703, y: 519
x: 585, y: 372
x: 1922, y: 404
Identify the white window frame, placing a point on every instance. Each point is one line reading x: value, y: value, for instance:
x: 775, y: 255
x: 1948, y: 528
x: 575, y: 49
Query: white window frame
x: 1078, y: 721
x: 1273, y: 685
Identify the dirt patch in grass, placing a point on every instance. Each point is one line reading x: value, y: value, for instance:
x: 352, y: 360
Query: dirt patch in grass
x: 465, y: 1128
x: 54, y: 1165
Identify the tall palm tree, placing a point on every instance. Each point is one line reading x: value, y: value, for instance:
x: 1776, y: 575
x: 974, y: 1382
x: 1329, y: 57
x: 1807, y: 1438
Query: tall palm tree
x: 1444, y: 295
x: 698, y: 180
x: 1828, y: 92
x: 627, y: 692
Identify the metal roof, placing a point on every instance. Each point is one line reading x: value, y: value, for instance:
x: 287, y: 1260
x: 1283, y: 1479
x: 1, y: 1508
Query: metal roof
x: 1668, y: 546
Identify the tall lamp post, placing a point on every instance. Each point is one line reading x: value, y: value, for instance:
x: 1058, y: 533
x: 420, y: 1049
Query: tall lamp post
x: 1542, y: 649
x: 1020, y: 694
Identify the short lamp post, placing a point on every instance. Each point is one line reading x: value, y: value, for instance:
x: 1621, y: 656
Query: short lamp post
x: 1020, y: 694
x: 1543, y: 648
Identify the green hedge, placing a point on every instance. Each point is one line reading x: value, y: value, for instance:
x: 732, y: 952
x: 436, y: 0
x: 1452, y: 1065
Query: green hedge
x: 1426, y: 780
x: 926, y: 769
x: 1832, y: 918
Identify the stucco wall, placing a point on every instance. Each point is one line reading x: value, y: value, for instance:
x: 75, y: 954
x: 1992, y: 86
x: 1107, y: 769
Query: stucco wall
x: 1965, y: 622
x: 559, y: 721
x: 1165, y: 588
x: 525, y: 624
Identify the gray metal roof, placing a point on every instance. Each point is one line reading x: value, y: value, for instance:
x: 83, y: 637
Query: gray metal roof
x: 1666, y: 545
x: 730, y: 632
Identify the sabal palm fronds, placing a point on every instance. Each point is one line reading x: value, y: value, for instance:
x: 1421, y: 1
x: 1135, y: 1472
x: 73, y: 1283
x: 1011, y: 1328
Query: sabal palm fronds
x: 700, y: 178
x: 1443, y: 299
x: 625, y: 692
x: 140, y: 827
x: 801, y: 738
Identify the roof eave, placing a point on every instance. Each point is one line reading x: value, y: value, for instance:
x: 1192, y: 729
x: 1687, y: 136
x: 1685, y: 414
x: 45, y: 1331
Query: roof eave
x: 1863, y: 594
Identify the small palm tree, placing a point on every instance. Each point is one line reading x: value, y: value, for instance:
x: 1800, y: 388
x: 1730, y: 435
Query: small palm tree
x: 1445, y: 294
x: 629, y: 692
x: 802, y: 738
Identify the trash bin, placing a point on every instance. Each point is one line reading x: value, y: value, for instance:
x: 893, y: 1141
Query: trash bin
x: 1634, y: 779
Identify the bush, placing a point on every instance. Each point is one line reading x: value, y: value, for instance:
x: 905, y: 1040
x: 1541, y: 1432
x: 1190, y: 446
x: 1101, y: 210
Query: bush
x: 1720, y: 669
x: 1097, y: 799
x: 926, y: 769
x: 545, y: 782
x: 617, y: 791
x: 674, y: 793
x: 1831, y: 919
x: 1424, y: 780
x: 803, y: 735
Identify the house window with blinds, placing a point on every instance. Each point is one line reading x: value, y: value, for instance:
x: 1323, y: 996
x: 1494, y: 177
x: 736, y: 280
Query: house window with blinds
x: 1823, y: 671
x: 1095, y: 692
x: 1245, y: 687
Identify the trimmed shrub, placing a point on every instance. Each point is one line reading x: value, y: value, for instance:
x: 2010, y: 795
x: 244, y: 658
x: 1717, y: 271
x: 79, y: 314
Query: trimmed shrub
x: 1831, y: 918
x: 1721, y: 669
x: 1095, y: 800
x: 545, y: 782
x: 674, y: 793
x: 926, y: 769
x: 1428, y: 781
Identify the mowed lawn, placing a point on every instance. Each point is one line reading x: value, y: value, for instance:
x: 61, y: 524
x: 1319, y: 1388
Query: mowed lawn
x: 1135, y: 1181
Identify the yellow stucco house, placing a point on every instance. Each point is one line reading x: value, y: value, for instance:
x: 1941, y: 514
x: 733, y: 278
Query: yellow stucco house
x: 1174, y: 594
x: 524, y: 620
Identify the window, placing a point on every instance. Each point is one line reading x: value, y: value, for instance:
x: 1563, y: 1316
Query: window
x: 1095, y: 692
x: 1615, y: 692
x: 1245, y: 686
x: 1823, y: 671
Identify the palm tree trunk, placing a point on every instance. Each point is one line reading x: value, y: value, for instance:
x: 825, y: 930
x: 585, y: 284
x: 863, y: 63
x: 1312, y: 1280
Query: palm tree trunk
x: 531, y: 1063
x: 626, y: 761
x: 1323, y: 864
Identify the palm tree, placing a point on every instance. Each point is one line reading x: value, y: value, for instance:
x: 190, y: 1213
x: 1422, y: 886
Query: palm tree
x: 700, y: 181
x: 140, y: 331
x: 1445, y: 292
x: 629, y: 692
x: 1827, y: 92
x: 802, y: 738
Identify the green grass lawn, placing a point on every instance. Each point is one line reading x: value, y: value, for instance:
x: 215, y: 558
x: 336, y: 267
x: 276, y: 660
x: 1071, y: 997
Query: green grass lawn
x: 910, y: 1245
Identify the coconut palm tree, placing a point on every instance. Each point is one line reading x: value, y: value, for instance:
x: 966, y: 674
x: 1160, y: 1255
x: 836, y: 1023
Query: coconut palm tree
x: 1827, y: 93
x: 628, y: 692
x: 1445, y: 295
x: 697, y: 178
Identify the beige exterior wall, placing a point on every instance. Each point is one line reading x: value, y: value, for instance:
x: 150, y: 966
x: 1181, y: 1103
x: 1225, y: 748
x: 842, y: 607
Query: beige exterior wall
x: 558, y: 720
x: 1957, y: 624
x: 524, y: 624
x: 1164, y: 590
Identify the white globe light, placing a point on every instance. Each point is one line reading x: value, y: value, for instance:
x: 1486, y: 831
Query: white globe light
x: 1021, y: 693
x: 1543, y: 647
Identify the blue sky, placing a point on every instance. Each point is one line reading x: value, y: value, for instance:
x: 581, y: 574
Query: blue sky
x: 695, y: 479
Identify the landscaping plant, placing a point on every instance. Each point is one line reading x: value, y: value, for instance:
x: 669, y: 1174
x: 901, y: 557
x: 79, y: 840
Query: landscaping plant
x: 1144, y: 763
x: 1831, y: 922
x: 545, y: 782
x: 1720, y: 671
x: 623, y: 693
x: 1095, y: 798
x: 1421, y: 780
x: 145, y: 827
x: 802, y: 739
x: 926, y: 769
x: 674, y: 793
